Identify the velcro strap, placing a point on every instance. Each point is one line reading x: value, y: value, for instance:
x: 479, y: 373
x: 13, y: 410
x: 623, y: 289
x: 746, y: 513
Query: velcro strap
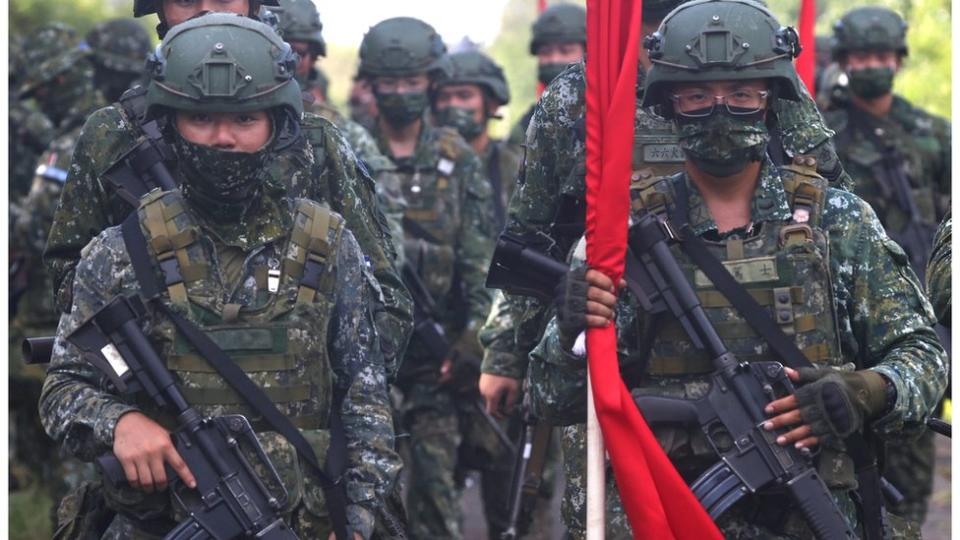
x: 228, y: 396
x: 194, y: 363
x: 764, y: 297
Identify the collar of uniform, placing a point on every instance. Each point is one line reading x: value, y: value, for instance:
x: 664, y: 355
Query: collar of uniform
x: 269, y: 220
x: 769, y: 201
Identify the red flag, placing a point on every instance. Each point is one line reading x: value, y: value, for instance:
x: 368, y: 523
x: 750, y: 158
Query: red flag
x: 658, y: 502
x: 541, y: 7
x: 807, y: 61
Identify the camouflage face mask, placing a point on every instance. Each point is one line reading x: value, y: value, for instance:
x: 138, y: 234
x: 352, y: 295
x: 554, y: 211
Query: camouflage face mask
x: 402, y: 109
x: 870, y: 83
x: 461, y: 119
x: 222, y: 183
x: 722, y: 144
x: 549, y: 72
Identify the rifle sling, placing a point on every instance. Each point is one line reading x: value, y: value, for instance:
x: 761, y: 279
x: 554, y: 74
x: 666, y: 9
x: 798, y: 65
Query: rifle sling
x: 334, y: 490
x: 868, y: 477
x: 496, y: 181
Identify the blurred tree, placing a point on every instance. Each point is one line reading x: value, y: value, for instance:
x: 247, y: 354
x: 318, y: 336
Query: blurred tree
x: 27, y: 15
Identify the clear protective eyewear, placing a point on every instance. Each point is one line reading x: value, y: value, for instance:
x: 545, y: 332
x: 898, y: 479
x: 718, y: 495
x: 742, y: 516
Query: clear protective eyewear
x: 699, y: 104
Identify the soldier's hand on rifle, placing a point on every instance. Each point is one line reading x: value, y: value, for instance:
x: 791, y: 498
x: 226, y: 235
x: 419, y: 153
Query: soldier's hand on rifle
x: 446, y: 371
x: 142, y: 446
x: 786, y: 413
x: 836, y: 404
x: 498, y: 390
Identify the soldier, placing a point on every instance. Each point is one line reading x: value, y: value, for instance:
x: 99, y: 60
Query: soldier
x: 857, y: 311
x: 317, y: 163
x: 362, y: 103
x: 30, y: 131
x: 60, y: 75
x: 466, y: 102
x: 559, y: 39
x: 938, y: 271
x: 448, y: 226
x: 120, y: 47
x: 301, y: 27
x: 237, y: 225
x: 548, y: 203
x: 899, y: 158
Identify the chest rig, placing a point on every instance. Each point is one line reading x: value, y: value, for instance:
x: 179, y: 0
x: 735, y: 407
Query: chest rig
x: 434, y: 214
x: 277, y: 333
x: 784, y: 266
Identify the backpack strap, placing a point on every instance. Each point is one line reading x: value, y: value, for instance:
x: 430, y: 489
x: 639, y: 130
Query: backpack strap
x: 315, y: 228
x: 169, y: 232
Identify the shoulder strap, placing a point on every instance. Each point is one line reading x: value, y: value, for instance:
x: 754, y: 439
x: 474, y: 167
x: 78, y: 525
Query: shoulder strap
x: 160, y: 213
x: 313, y: 224
x: 496, y: 180
x: 334, y: 490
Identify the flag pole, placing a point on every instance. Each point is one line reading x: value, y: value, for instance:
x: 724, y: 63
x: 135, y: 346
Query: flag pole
x: 596, y: 472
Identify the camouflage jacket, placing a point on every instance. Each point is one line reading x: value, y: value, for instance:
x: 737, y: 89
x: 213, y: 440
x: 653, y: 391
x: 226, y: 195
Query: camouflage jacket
x: 502, y: 161
x: 880, y: 321
x: 448, y: 228
x: 518, y: 133
x: 875, y: 149
x: 33, y: 214
x: 30, y: 133
x: 553, y: 175
x: 331, y: 337
x: 320, y: 165
x: 382, y: 170
x: 882, y: 316
x: 938, y: 271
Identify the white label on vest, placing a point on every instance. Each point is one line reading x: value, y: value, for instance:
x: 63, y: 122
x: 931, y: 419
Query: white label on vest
x: 445, y: 166
x: 744, y: 271
x: 662, y: 153
x: 114, y: 359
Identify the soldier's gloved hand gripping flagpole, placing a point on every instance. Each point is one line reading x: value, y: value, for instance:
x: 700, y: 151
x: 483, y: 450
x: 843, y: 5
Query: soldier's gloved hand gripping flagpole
x: 658, y: 503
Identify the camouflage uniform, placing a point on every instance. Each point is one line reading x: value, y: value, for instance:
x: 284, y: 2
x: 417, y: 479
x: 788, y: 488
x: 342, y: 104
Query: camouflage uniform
x: 938, y: 271
x: 120, y: 47
x: 448, y: 240
x: 333, y: 338
x: 448, y: 195
x: 910, y: 147
x: 30, y: 132
x: 55, y: 57
x: 279, y: 283
x: 320, y: 165
x: 880, y: 321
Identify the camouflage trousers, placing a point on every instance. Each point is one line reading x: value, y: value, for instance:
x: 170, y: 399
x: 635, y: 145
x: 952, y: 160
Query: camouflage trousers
x: 910, y: 467
x: 447, y: 438
x: 770, y: 517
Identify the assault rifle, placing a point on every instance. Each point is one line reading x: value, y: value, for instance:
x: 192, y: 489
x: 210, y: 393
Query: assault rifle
x: 527, y: 469
x: 466, y: 368
x: 732, y: 414
x: 230, y: 500
x: 518, y: 268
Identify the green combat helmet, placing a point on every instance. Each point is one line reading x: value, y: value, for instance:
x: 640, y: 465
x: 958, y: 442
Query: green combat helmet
x: 119, y: 45
x: 560, y: 23
x: 402, y: 46
x: 474, y: 67
x: 119, y: 48
x: 869, y: 28
x: 225, y: 63
x: 300, y: 21
x: 48, y: 52
x: 710, y: 40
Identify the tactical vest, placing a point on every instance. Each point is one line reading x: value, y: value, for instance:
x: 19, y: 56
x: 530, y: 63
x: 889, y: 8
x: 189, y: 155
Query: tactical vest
x: 279, y: 338
x: 434, y: 214
x: 785, y: 267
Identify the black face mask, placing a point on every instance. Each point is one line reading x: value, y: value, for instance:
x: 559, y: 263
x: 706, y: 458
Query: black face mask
x: 870, y: 83
x: 222, y: 184
x: 723, y: 144
x: 549, y: 72
x: 461, y: 119
x: 401, y: 110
